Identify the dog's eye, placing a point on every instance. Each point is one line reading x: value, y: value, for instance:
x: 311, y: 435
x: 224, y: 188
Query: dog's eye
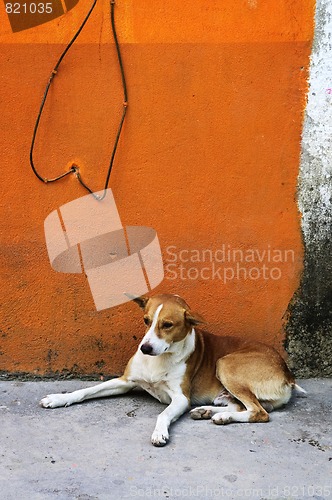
x: 146, y: 320
x: 167, y: 324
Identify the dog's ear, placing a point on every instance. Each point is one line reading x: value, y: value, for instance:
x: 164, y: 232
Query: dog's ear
x: 193, y: 318
x: 141, y: 301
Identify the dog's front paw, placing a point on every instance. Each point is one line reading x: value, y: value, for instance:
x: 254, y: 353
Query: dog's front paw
x: 56, y: 400
x: 159, y: 438
x: 202, y: 412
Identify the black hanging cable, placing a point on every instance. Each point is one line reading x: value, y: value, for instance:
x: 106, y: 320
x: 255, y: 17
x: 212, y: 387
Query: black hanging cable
x: 74, y: 168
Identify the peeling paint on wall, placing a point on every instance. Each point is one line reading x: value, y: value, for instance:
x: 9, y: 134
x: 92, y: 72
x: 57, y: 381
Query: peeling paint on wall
x: 309, y: 329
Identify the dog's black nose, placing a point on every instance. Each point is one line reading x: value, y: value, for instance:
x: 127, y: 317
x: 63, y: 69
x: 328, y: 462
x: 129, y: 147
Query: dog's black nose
x: 146, y: 348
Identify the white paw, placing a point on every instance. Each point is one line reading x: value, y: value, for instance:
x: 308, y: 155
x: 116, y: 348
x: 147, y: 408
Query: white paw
x: 159, y: 438
x: 223, y: 398
x: 222, y: 418
x: 56, y: 400
x: 222, y: 401
x: 201, y: 412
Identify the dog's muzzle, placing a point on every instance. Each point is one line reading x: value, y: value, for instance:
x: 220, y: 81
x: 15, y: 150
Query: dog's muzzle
x: 147, y: 349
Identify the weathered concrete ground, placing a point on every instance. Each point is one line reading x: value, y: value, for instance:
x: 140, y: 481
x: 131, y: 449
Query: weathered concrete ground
x: 101, y: 450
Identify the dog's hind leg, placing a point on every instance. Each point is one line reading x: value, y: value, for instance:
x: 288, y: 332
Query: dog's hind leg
x: 112, y: 387
x: 254, y: 412
x: 236, y: 383
x: 206, y: 412
x: 228, y: 402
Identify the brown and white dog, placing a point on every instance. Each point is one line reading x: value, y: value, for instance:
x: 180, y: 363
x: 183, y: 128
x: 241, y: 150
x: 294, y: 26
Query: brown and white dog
x: 182, y: 366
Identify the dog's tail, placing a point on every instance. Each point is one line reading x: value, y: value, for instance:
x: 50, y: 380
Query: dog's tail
x: 299, y: 391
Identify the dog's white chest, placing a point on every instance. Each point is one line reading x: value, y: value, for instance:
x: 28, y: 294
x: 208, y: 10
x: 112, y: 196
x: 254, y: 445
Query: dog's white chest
x: 158, y: 391
x: 157, y: 375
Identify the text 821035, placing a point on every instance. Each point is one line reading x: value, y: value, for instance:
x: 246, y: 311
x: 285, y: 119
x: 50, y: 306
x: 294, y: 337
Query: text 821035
x: 29, y: 8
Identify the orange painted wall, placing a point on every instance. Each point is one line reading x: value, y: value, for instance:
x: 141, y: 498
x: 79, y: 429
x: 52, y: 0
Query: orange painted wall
x: 209, y: 156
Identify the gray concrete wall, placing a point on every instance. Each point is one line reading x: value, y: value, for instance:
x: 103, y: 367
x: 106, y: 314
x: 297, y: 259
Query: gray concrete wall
x: 309, y: 326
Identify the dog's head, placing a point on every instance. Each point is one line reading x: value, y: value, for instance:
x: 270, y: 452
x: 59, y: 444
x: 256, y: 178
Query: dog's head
x: 168, y: 319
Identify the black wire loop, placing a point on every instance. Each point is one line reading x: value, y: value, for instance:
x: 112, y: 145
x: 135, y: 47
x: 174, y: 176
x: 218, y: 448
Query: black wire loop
x: 74, y: 169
